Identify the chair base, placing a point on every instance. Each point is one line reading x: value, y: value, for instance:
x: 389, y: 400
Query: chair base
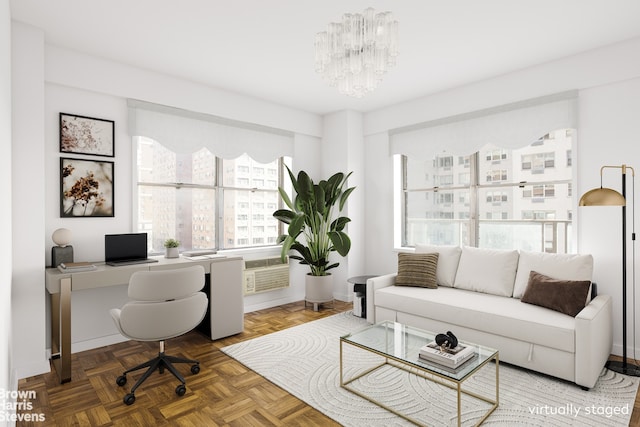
x: 158, y: 363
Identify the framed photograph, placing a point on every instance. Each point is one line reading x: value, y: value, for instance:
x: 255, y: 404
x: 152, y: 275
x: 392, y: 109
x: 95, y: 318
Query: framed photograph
x: 86, y: 188
x: 86, y: 135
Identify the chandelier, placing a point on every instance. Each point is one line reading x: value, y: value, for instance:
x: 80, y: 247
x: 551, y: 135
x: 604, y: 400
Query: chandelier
x: 354, y: 54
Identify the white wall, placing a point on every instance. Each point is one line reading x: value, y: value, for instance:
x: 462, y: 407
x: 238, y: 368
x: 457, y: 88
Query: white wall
x: 608, y: 133
x: 8, y: 381
x: 87, y: 246
x: 49, y: 80
x: 343, y: 151
x: 609, y: 91
x: 69, y: 68
x: 28, y: 201
x: 380, y: 255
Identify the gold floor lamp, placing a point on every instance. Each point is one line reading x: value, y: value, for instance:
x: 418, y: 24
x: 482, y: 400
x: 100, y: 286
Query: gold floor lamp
x: 608, y: 197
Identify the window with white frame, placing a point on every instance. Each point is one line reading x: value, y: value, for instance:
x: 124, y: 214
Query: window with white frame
x: 207, y: 181
x: 492, y: 198
x: 186, y: 197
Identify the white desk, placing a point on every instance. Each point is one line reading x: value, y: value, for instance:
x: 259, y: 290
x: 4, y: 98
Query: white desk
x: 226, y: 302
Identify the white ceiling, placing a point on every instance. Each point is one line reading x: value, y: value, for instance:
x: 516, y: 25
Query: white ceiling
x: 264, y: 48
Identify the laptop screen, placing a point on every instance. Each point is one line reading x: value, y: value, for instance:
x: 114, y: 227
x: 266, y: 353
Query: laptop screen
x: 125, y: 247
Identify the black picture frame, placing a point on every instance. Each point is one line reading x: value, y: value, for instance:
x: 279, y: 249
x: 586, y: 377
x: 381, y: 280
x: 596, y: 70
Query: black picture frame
x: 86, y: 188
x: 87, y: 135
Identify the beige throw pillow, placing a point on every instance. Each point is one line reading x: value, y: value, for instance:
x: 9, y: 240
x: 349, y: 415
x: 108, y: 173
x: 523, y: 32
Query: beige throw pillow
x: 417, y: 270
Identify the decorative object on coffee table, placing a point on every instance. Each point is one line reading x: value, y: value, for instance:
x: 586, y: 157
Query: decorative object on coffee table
x: 609, y: 197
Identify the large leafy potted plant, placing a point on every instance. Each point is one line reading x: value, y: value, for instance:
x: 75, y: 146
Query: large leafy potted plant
x: 315, y: 228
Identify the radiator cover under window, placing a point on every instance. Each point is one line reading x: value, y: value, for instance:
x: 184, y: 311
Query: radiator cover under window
x: 268, y: 274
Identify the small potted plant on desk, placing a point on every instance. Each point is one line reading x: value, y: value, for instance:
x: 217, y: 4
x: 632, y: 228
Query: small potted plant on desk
x: 315, y: 229
x: 171, y: 248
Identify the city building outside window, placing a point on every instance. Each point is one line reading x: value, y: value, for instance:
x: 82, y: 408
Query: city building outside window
x: 203, y: 201
x: 494, y: 198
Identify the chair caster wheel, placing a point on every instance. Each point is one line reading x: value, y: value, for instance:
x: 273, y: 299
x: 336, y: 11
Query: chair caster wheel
x: 121, y: 380
x: 181, y: 390
x: 129, y: 399
x: 195, y: 369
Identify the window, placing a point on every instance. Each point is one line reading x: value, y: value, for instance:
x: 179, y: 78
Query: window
x: 539, y: 191
x: 497, y: 197
x: 538, y: 162
x: 495, y: 155
x: 510, y: 206
x: 204, y: 201
x: 496, y: 175
x: 444, y: 162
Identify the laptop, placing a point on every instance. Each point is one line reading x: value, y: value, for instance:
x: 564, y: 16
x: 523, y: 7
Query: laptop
x: 126, y: 249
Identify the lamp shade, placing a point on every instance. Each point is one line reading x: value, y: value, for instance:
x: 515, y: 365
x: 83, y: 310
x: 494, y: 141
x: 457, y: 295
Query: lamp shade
x: 602, y: 197
x: 61, y: 237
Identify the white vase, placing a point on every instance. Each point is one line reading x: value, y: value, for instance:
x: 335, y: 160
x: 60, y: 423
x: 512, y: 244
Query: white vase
x: 172, y: 253
x: 318, y: 289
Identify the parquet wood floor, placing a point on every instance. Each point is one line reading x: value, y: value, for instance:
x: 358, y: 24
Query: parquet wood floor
x: 224, y: 393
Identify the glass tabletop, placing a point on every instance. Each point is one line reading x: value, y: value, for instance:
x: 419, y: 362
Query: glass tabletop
x: 403, y: 343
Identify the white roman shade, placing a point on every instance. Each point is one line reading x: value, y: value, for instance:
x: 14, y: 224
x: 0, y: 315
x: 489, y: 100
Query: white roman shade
x: 185, y: 131
x: 509, y: 126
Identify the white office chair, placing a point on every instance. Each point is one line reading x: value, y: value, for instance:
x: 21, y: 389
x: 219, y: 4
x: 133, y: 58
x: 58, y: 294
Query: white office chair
x: 166, y: 304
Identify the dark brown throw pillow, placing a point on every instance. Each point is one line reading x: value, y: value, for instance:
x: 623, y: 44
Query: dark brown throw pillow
x: 566, y: 296
x: 417, y: 270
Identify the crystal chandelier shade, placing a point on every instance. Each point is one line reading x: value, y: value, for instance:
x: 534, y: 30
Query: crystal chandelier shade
x: 354, y: 54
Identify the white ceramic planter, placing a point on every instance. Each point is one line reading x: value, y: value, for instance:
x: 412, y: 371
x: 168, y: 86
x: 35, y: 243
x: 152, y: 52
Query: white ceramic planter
x: 318, y: 289
x: 172, y: 253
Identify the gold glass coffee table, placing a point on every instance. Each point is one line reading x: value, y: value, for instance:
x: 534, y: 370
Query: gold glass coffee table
x: 399, y: 346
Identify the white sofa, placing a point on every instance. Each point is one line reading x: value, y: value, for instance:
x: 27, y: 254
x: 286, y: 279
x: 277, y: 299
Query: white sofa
x: 478, y: 298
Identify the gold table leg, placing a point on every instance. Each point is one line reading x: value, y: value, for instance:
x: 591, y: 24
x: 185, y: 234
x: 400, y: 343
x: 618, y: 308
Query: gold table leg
x: 431, y: 376
x: 61, y: 330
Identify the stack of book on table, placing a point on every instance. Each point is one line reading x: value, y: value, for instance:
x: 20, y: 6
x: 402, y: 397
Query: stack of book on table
x: 74, y: 267
x: 450, y: 358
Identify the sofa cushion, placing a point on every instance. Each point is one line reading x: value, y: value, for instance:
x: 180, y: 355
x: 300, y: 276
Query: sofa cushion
x: 417, y: 270
x: 447, y: 261
x: 565, y: 296
x: 493, y: 314
x: 490, y: 271
x: 558, y: 266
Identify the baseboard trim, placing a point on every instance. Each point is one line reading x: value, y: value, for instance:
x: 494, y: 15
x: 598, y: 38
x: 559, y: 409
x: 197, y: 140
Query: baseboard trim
x: 77, y: 347
x: 30, y: 370
x: 269, y: 304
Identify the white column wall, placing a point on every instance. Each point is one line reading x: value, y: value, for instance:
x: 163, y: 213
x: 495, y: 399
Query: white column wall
x: 609, y: 134
x: 343, y: 151
x: 28, y: 201
x: 8, y: 380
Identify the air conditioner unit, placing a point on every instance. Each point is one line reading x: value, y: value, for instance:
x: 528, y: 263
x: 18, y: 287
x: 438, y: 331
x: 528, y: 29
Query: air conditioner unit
x: 268, y: 274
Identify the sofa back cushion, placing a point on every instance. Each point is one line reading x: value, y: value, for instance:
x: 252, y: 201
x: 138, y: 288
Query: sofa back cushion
x: 447, y: 262
x: 558, y: 266
x: 491, y: 271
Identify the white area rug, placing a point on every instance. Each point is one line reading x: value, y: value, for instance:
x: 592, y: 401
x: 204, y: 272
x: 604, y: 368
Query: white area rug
x: 305, y: 360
